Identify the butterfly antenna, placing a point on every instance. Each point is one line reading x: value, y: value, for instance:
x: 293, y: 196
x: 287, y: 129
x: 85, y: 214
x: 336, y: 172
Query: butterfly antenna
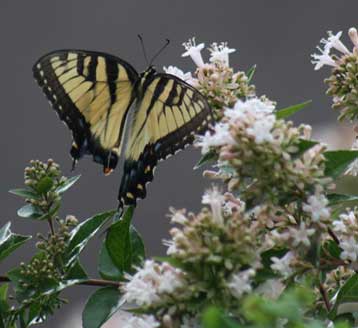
x: 167, y: 41
x: 143, y: 48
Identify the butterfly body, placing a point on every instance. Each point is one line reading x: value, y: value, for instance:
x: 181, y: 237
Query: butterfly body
x: 93, y: 94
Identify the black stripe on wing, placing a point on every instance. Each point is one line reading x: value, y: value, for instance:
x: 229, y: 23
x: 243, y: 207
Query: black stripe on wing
x: 84, y: 141
x: 137, y: 173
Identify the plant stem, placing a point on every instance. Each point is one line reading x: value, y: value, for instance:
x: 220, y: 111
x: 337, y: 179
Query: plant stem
x: 89, y: 282
x: 325, y: 297
x: 333, y: 235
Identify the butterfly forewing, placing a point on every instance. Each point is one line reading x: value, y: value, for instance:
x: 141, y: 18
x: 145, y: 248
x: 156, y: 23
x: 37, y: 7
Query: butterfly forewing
x: 169, y: 113
x: 92, y: 93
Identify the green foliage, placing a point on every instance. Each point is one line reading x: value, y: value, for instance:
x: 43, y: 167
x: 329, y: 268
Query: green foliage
x: 337, y: 161
x: 81, y: 235
x: 250, y: 73
x: 10, y: 241
x: 289, y: 111
x: 209, y: 157
x: 101, y: 305
x: 123, y: 245
x: 347, y: 298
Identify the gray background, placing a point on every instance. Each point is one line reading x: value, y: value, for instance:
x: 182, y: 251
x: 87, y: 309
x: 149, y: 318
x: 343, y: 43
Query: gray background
x: 278, y: 36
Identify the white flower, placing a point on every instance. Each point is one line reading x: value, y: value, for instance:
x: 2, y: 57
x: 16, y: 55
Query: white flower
x: 350, y: 249
x: 194, y: 51
x: 316, y: 206
x: 172, y: 248
x: 353, y: 36
x: 145, y: 287
x: 220, y: 137
x: 177, y: 216
x: 330, y: 324
x: 141, y: 288
x: 322, y: 58
x: 220, y: 52
x: 339, y: 226
x: 271, y: 288
x: 282, y: 265
x: 170, y: 279
x: 334, y: 41
x: 173, y: 70
x: 300, y: 236
x: 144, y: 321
x: 254, y: 106
x: 261, y: 129
x: 240, y: 283
x: 215, y: 199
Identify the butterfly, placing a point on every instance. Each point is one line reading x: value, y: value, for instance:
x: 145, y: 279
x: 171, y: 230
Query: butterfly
x: 100, y: 96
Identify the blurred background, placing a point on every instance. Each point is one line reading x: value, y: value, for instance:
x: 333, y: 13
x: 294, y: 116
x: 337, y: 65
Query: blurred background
x: 278, y: 36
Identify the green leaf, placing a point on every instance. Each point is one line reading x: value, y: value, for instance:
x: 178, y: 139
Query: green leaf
x: 30, y: 212
x: 304, y: 144
x: 67, y: 184
x: 330, y: 247
x: 9, y: 241
x: 44, y: 185
x: 210, y: 156
x: 26, y: 193
x: 250, y: 73
x: 138, y: 250
x: 108, y: 270
x: 118, y: 242
x: 215, y: 318
x: 106, y: 267
x: 347, y: 298
x: 289, y: 111
x: 76, y: 272
x: 81, y: 235
x: 341, y: 199
x: 101, y: 306
x: 337, y: 161
x: 4, y: 306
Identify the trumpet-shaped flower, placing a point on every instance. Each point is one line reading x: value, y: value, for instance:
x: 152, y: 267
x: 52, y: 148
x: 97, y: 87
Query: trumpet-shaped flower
x: 194, y: 51
x: 220, y: 52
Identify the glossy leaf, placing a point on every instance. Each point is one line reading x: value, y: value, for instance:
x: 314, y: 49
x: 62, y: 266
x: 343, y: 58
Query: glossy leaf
x: 100, y: 307
x: 137, y: 245
x: 250, y: 73
x: 337, y: 161
x: 9, y: 241
x: 67, y: 184
x: 210, y: 156
x: 347, y: 298
x: 106, y: 268
x: 26, y: 193
x: 118, y: 242
x: 304, y: 145
x: 76, y: 272
x: 81, y: 235
x: 30, y: 212
x: 289, y: 111
x: 341, y: 199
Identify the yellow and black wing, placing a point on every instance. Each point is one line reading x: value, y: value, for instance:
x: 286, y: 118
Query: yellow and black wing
x: 92, y: 93
x: 168, y: 115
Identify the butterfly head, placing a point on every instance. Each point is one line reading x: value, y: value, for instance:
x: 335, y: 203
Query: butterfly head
x: 150, y: 71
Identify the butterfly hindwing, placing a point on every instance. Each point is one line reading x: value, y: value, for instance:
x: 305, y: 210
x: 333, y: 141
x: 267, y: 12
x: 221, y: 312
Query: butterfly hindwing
x: 169, y: 113
x: 92, y: 93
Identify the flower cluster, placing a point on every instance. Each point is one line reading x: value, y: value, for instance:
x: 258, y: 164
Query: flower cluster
x: 264, y: 158
x: 343, y: 82
x: 216, y: 80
